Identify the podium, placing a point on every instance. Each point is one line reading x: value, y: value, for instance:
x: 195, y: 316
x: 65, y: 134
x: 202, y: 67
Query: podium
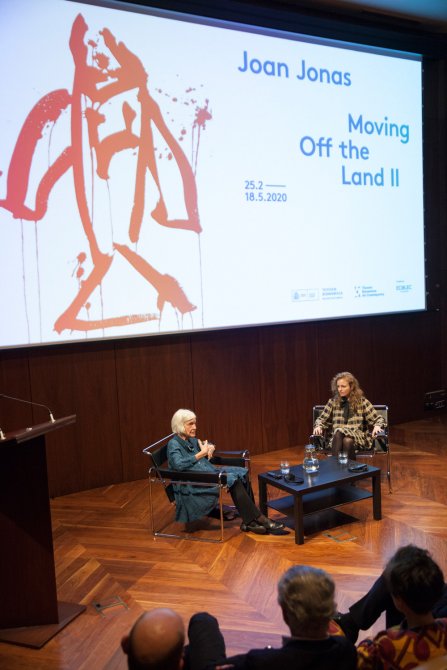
x: 30, y: 613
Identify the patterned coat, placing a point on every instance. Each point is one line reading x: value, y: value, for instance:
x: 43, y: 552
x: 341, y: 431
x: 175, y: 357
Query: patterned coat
x: 403, y: 649
x: 332, y: 419
x: 192, y: 501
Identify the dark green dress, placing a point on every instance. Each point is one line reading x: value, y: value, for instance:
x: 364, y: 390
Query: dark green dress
x: 193, y: 502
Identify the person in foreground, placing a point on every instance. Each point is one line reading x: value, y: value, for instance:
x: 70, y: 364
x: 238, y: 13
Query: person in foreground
x: 415, y: 583
x: 345, y: 416
x: 185, y: 452
x: 306, y: 598
x: 365, y: 612
x: 156, y: 641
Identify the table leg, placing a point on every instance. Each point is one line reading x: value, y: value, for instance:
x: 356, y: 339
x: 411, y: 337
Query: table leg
x: 377, y: 496
x: 298, y: 514
x: 262, y: 486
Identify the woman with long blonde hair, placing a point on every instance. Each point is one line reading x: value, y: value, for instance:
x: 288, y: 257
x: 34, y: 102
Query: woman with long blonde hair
x: 348, y: 417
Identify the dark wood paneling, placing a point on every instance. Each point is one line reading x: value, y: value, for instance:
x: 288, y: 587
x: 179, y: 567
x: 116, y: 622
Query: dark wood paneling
x: 252, y: 387
x: 406, y: 359
x: 289, y: 362
x: 154, y: 380
x: 395, y: 358
x: 14, y: 381
x: 435, y: 169
x: 226, y: 369
x: 81, y: 380
x: 344, y: 345
x: 27, y: 577
x: 435, y: 176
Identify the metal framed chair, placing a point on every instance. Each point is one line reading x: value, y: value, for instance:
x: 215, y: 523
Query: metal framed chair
x: 380, y: 445
x: 160, y: 474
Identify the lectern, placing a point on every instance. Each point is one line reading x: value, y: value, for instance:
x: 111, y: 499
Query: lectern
x: 30, y: 613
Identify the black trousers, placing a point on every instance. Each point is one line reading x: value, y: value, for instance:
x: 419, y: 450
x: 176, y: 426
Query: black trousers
x: 206, y: 643
x: 369, y: 608
x: 243, y: 500
x: 378, y: 599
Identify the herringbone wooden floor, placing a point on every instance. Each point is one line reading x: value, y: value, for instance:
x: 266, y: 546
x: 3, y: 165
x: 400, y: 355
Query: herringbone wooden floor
x: 104, y: 550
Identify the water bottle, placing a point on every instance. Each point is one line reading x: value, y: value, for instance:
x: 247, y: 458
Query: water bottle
x: 311, y: 464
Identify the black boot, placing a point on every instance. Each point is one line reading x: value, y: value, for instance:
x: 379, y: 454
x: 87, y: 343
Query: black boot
x: 348, y: 626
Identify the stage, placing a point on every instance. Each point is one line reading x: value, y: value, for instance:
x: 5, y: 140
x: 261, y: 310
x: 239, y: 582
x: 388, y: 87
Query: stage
x: 107, y: 559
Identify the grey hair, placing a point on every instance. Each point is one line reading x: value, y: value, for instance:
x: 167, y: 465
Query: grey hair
x: 179, y: 419
x: 306, y: 597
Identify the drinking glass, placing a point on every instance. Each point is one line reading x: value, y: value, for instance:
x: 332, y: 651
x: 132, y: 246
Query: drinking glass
x: 342, y: 457
x: 285, y: 467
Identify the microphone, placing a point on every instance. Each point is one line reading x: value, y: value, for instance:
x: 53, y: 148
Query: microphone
x: 27, y: 402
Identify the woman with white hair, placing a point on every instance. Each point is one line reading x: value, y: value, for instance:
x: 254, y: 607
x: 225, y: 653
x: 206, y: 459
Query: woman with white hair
x: 185, y: 452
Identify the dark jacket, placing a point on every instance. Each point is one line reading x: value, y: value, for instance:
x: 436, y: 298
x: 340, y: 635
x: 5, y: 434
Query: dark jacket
x: 334, y: 653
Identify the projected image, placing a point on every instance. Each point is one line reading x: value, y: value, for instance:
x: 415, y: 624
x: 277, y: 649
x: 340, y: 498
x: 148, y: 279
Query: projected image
x: 101, y: 73
x: 147, y: 186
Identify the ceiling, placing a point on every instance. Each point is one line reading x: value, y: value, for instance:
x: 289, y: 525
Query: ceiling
x: 432, y: 14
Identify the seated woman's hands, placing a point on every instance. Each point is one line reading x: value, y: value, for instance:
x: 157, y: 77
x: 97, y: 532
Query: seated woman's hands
x: 318, y: 430
x: 376, y: 430
x: 206, y: 450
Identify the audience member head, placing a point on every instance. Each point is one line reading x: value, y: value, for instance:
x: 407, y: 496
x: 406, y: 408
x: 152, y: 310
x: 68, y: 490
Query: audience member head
x: 306, y: 597
x: 180, y: 418
x: 155, y: 641
x: 414, y: 578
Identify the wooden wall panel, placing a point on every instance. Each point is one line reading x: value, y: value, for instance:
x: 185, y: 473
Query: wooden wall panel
x: 435, y: 172
x: 80, y: 379
x: 15, y: 381
x: 226, y: 374
x: 344, y: 345
x: 251, y: 387
x: 435, y: 215
x: 154, y: 380
x: 406, y: 358
x: 395, y: 358
x: 288, y: 367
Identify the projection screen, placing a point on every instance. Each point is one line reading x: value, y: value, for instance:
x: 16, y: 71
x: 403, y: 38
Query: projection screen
x: 163, y: 173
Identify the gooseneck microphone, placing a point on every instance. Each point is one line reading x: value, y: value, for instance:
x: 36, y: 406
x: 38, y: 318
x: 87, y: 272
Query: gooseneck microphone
x: 27, y: 402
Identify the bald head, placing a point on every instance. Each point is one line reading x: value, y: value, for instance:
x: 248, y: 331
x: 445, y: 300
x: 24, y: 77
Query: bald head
x: 156, y: 641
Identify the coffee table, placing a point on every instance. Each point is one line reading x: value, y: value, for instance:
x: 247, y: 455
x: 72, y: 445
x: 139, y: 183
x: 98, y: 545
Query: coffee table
x: 326, y: 489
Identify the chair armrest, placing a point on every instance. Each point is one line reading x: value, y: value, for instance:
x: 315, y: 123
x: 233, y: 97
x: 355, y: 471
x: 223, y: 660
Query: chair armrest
x: 242, y: 454
x: 188, y: 476
x: 238, y: 458
x: 319, y: 442
x: 380, y: 442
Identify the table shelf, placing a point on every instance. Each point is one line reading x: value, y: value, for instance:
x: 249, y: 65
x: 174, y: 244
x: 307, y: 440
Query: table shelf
x: 317, y: 501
